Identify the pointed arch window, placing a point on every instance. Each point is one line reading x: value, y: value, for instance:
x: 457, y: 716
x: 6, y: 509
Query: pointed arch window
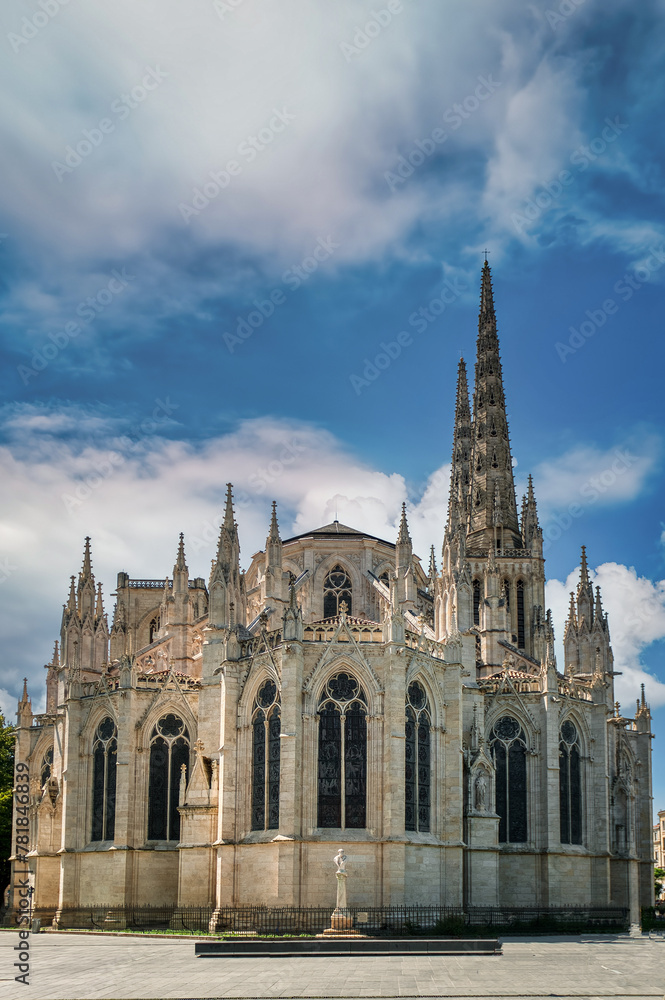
x: 336, y: 588
x: 476, y: 602
x: 47, y: 767
x: 169, y: 751
x: 104, y: 761
x: 342, y: 779
x: 266, y: 729
x: 570, y: 786
x: 154, y: 629
x: 509, y: 749
x: 417, y: 766
x: 521, y: 631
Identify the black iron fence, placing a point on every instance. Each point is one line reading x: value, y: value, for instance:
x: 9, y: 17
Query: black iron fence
x: 388, y: 921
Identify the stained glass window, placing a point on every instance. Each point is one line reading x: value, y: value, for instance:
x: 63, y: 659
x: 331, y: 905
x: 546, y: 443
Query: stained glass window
x: 104, y: 759
x: 521, y: 634
x: 570, y: 786
x: 267, y: 726
x: 509, y: 749
x: 476, y: 602
x: 169, y: 750
x: 154, y: 628
x: 342, y: 800
x: 417, y: 760
x: 336, y: 588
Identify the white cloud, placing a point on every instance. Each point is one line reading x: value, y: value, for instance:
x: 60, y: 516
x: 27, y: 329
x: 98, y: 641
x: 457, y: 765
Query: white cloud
x: 587, y: 475
x: 636, y: 612
x: 322, y: 175
x: 133, y: 497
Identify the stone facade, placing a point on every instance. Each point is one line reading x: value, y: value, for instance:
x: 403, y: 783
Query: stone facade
x: 220, y: 741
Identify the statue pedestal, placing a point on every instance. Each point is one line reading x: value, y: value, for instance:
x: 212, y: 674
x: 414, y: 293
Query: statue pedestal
x: 341, y: 921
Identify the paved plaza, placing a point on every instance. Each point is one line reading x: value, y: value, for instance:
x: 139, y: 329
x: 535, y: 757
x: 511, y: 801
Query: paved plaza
x: 83, y: 967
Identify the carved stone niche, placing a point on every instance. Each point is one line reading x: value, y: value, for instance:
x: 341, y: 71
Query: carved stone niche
x: 481, y: 787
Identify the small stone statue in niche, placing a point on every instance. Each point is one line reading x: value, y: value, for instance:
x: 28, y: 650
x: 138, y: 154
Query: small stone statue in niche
x: 481, y: 789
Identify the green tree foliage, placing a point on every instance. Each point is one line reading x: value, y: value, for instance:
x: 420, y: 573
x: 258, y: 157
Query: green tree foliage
x: 659, y: 879
x: 7, y: 734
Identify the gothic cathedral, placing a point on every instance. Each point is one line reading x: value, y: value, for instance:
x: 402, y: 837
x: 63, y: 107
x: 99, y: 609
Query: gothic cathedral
x: 223, y: 739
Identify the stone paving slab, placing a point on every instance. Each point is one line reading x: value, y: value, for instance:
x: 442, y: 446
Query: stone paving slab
x: 90, y: 967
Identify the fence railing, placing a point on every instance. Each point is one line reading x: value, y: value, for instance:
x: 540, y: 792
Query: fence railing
x: 387, y: 921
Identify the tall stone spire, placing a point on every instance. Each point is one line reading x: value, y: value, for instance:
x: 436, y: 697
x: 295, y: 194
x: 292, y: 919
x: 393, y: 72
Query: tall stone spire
x: 180, y: 562
x: 404, y: 546
x: 405, y: 579
x: 585, y: 597
x: 86, y: 591
x: 273, y: 541
x: 86, y: 569
x: 273, y: 586
x: 180, y: 570
x: 460, y: 472
x: 532, y: 533
x: 432, y: 572
x: 491, y: 460
x: 226, y: 581
x: 587, y: 635
x: 24, y: 712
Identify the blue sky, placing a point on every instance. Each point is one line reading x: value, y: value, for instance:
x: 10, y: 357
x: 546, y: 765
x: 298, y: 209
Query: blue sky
x: 215, y: 220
